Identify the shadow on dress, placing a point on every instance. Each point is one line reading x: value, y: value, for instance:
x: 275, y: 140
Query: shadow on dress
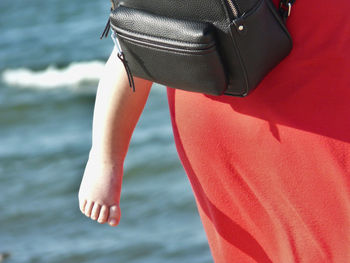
x: 225, y: 226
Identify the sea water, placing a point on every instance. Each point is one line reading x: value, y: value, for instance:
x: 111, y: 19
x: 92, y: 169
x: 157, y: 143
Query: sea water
x: 51, y: 58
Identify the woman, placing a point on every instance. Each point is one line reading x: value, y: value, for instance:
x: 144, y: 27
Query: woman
x: 272, y: 177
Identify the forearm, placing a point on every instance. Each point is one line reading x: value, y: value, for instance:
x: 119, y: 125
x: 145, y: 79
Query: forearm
x: 117, y: 110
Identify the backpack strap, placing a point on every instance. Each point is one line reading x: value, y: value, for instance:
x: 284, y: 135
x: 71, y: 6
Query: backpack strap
x: 113, y: 4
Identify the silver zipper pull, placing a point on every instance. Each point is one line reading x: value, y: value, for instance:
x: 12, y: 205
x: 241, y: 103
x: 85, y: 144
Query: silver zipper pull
x: 122, y: 59
x: 116, y: 41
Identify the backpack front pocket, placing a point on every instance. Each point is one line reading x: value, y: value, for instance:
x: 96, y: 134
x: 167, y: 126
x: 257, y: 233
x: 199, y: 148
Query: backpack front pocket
x: 177, y: 53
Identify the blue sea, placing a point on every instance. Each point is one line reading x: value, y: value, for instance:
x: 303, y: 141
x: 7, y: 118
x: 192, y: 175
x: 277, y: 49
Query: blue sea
x: 51, y: 58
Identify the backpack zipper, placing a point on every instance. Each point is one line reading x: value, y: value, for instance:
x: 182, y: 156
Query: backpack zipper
x: 234, y: 8
x: 231, y: 3
x: 170, y: 44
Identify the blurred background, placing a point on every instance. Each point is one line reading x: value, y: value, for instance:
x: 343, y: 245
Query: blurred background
x: 50, y: 61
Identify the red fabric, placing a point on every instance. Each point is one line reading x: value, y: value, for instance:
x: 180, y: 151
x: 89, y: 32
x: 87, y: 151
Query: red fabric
x: 270, y: 172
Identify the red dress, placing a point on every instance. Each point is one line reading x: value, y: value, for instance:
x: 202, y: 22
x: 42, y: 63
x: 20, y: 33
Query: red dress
x: 271, y: 172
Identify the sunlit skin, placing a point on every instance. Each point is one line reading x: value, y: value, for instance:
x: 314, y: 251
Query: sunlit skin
x: 117, y: 110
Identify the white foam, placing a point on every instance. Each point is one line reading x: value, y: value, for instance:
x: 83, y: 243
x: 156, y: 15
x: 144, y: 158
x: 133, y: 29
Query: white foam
x: 53, y: 77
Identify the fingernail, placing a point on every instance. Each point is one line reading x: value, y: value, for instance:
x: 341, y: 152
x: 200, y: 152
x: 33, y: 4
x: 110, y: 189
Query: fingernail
x: 112, y: 222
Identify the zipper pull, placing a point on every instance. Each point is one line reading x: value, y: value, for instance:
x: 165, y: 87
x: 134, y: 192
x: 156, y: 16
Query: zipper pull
x: 122, y: 58
x: 285, y: 9
x: 108, y: 25
x: 106, y: 30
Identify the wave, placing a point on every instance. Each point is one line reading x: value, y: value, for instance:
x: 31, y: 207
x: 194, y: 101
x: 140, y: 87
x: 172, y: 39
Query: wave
x: 52, y: 77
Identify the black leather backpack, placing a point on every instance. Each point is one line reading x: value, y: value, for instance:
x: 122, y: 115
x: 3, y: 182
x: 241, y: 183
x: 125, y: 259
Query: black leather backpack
x: 209, y: 46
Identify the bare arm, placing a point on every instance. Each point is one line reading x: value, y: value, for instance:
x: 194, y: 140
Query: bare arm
x: 117, y: 110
